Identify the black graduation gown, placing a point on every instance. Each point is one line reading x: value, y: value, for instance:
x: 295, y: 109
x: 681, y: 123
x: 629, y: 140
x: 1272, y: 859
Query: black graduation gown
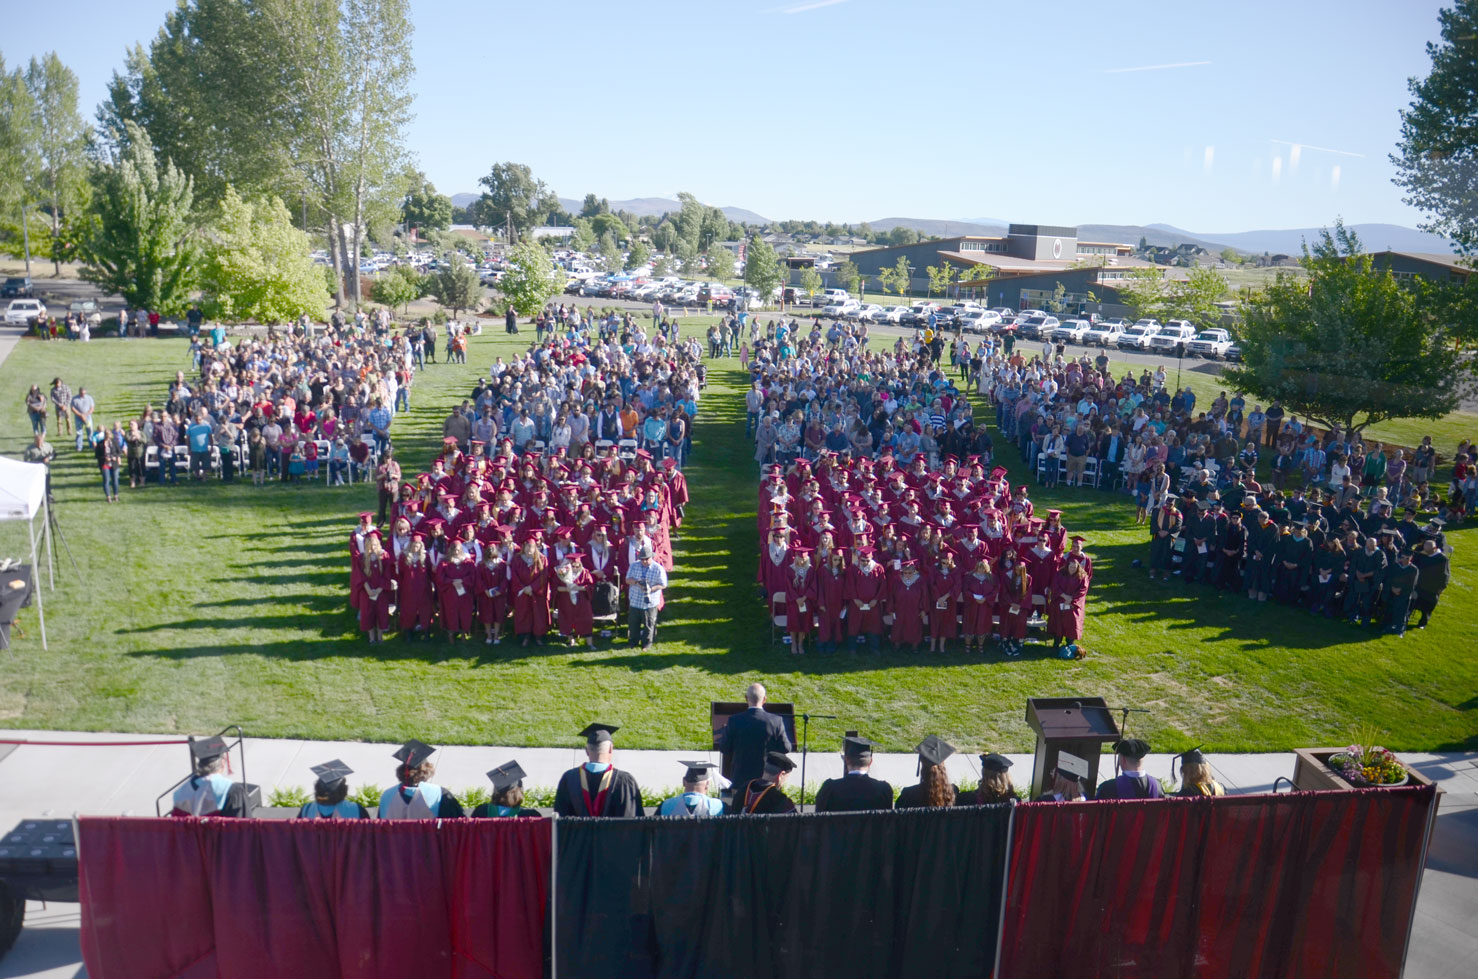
x: 854, y: 793
x: 771, y: 803
x: 912, y: 797
x: 622, y: 799
x: 485, y: 811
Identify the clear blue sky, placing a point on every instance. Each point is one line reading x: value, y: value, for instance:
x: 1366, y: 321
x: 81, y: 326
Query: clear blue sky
x: 921, y: 109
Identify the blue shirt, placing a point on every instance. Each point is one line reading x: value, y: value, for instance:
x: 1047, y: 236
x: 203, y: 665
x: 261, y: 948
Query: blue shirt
x: 199, y: 436
x: 379, y: 418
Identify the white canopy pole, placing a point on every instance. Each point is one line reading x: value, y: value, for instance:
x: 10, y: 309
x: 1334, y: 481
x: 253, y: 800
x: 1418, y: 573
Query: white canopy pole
x: 36, y: 569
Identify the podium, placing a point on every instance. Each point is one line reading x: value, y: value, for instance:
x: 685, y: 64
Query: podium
x: 718, y: 718
x: 1077, y: 726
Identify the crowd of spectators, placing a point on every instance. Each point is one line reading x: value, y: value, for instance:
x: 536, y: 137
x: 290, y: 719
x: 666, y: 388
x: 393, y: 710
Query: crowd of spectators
x: 555, y: 497
x: 880, y: 512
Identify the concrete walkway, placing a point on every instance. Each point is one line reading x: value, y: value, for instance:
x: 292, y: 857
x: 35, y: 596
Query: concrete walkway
x: 101, y: 780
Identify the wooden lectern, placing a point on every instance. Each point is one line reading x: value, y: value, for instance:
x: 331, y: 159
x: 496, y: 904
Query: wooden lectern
x: 1076, y: 725
x: 720, y: 712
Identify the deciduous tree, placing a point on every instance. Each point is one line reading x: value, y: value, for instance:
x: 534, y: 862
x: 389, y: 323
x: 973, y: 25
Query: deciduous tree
x: 423, y: 208
x: 456, y: 285
x: 847, y: 275
x: 256, y: 265
x: 513, y: 198
x: 720, y: 262
x: 141, y: 240
x: 61, y: 143
x: 761, y: 267
x: 1350, y: 346
x: 810, y: 282
x: 397, y: 287
x: 530, y: 280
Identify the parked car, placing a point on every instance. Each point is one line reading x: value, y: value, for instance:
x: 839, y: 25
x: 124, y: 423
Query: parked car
x: 1072, y: 331
x: 869, y: 312
x: 87, y: 309
x: 892, y: 314
x: 24, y: 312
x: 15, y: 287
x: 1172, y: 335
x: 977, y: 321
x: 1006, y: 324
x: 1003, y: 311
x: 1036, y: 326
x: 1105, y: 333
x: 1137, y: 337
x: 831, y: 297
x: 1212, y: 343
x: 918, y: 314
x: 1234, y: 353
x: 712, y: 292
x: 842, y: 309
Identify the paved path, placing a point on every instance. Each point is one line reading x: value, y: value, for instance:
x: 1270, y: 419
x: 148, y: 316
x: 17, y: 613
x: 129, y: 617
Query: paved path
x: 62, y: 781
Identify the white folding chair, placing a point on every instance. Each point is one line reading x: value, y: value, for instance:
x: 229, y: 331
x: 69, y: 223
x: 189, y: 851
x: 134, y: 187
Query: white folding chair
x: 215, y: 459
x: 626, y: 449
x: 325, y: 449
x: 778, y: 621
x: 151, y: 460
x: 1090, y: 471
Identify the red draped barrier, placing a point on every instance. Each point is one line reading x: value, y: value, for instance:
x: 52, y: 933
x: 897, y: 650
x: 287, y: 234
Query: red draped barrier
x: 248, y: 898
x: 1307, y: 884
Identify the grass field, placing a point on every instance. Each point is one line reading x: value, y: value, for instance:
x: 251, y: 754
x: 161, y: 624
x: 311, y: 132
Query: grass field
x: 195, y: 606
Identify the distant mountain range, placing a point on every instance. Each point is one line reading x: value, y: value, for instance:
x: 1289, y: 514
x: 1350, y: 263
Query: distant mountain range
x: 1375, y: 237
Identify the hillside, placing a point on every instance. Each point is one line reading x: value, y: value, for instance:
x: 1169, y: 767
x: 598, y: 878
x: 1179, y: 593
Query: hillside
x: 640, y: 206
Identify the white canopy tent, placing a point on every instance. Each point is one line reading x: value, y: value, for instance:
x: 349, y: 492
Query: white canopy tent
x: 23, y: 497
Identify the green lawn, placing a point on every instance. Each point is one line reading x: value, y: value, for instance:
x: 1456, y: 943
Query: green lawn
x: 196, y: 606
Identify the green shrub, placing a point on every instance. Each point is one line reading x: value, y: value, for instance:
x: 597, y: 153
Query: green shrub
x: 474, y: 797
x: 367, y: 796
x: 289, y: 797
x: 538, y: 797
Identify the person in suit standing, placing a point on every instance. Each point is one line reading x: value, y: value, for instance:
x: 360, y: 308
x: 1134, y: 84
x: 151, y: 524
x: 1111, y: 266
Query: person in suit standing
x: 856, y: 790
x: 748, y: 737
x: 1132, y: 782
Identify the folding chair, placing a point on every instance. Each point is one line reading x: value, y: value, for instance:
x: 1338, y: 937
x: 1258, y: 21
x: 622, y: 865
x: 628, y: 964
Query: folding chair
x: 535, y: 447
x: 215, y: 459
x: 151, y: 461
x: 1091, y: 474
x: 1041, y: 466
x: 603, y: 446
x: 778, y: 622
x: 626, y: 450
x: 325, y: 449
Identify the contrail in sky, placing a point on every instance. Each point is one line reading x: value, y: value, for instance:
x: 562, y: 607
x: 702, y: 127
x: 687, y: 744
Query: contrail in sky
x: 1321, y: 149
x: 817, y: 4
x: 1178, y: 64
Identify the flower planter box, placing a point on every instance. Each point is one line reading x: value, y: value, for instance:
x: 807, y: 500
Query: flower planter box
x: 1311, y: 772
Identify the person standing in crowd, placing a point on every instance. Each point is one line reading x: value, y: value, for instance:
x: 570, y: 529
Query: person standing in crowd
x: 1066, y: 606
x: 41, y: 452
x: 61, y: 403
x: 507, y: 800
x: 573, y: 587
x: 867, y: 589
x: 856, y: 790
x: 598, y: 788
x: 1132, y: 782
x: 765, y: 795
x: 36, y: 409
x: 331, y: 794
x: 934, y: 789
x: 378, y: 584
x: 456, y: 578
x: 1195, y: 775
x: 995, y: 780
x: 646, y: 582
x: 1013, y: 602
x: 1432, y: 576
x: 694, y: 802
x: 1399, y: 588
x: 801, y: 586
x: 978, y: 592
x: 415, y: 796
x: 492, y: 592
x: 416, y: 603
x: 207, y: 792
x: 387, y: 477
x: 528, y: 580
x: 105, y: 449
x: 751, y: 735
x: 82, y: 407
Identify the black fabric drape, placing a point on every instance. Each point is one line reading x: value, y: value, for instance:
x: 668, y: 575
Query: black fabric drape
x: 855, y: 894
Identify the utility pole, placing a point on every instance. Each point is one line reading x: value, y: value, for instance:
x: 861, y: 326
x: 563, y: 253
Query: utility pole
x: 26, y: 235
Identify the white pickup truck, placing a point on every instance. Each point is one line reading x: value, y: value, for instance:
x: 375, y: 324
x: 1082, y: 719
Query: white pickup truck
x: 1172, y: 335
x: 1210, y: 343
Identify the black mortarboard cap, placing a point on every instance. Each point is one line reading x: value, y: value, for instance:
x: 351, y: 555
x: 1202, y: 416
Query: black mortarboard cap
x: 1193, y: 756
x: 776, y: 761
x: 697, y: 770
x: 934, y: 750
x: 856, y: 746
x: 595, y: 733
x: 1135, y: 748
x: 413, y: 753
x: 331, y: 773
x: 993, y: 762
x: 505, y: 775
x: 204, y: 749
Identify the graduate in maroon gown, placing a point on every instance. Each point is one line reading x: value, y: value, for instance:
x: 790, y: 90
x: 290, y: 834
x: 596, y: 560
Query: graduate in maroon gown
x: 800, y: 599
x: 978, y: 597
x: 944, y: 598
x: 1013, y: 601
x: 1065, y: 607
x: 365, y: 528
x: 455, y: 584
x: 908, y: 601
x: 774, y: 562
x: 414, y: 595
x: 377, y: 587
x: 528, y: 576
x: 492, y: 593
x: 867, y: 589
x: 831, y: 601
x: 573, y: 590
